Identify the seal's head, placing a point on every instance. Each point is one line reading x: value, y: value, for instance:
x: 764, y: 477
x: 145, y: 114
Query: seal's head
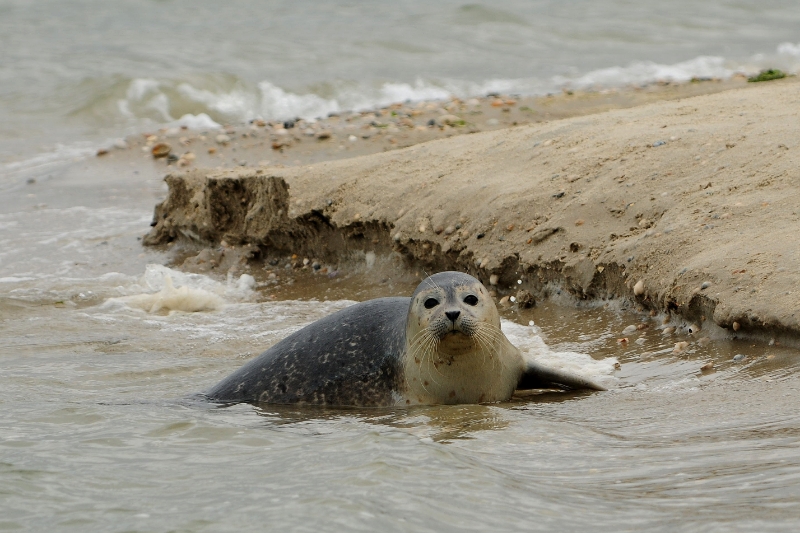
x: 455, y: 351
x: 452, y: 313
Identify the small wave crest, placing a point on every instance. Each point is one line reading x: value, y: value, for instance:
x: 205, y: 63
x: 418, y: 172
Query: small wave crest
x: 205, y: 104
x: 786, y: 57
x: 163, y: 289
x: 211, y: 101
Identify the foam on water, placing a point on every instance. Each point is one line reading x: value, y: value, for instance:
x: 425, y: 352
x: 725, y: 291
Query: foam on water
x: 269, y: 101
x: 194, y: 292
x: 789, y: 49
x: 529, y: 341
x: 205, y: 102
x: 198, y: 122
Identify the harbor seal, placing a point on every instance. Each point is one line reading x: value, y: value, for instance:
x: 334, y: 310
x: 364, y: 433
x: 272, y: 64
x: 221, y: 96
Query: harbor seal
x: 443, y: 345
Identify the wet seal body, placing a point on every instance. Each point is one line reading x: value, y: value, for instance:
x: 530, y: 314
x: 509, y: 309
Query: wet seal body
x: 441, y: 346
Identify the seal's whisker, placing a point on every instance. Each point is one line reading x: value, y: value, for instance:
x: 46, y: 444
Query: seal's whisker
x: 425, y: 347
x: 489, y: 346
x: 434, y: 348
x: 419, y: 348
x: 494, y: 340
x: 430, y: 280
x: 481, y: 346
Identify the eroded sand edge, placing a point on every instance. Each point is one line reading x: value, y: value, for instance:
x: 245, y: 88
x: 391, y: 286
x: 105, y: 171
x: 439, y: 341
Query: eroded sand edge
x: 698, y: 199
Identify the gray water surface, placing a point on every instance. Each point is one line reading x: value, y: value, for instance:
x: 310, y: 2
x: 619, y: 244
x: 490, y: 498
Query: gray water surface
x: 100, y: 432
x: 75, y: 73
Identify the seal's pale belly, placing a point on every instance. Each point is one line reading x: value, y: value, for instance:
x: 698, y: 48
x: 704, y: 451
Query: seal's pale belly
x: 452, y: 380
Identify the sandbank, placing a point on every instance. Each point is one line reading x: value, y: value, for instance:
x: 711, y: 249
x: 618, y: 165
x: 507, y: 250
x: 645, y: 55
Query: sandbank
x: 689, y: 207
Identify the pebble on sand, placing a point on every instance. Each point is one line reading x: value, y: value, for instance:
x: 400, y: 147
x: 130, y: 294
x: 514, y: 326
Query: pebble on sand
x: 707, y: 367
x: 680, y: 347
x: 186, y: 159
x: 630, y: 329
x: 736, y: 326
x: 222, y: 139
x: 161, y: 150
x: 493, y: 279
x: 638, y: 289
x: 449, y: 120
x: 739, y: 357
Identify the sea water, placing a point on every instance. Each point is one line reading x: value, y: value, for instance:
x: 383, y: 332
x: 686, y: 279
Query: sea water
x: 77, y: 72
x: 104, y: 344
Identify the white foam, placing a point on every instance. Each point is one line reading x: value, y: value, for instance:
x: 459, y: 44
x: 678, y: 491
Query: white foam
x: 789, y: 49
x: 644, y: 72
x: 401, y: 92
x: 171, y: 299
x: 141, y: 87
x: 198, y: 122
x: 530, y: 343
x: 164, y: 289
x: 237, y: 103
x: 148, y: 99
x: 280, y: 104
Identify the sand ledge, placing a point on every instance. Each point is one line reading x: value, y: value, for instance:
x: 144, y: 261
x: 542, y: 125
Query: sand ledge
x: 697, y: 199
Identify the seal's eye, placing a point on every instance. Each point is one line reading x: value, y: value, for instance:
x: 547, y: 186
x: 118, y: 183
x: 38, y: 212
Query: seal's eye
x: 471, y: 299
x: 430, y: 303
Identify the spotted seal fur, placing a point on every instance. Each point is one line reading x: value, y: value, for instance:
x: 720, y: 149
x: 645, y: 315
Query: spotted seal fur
x: 441, y: 346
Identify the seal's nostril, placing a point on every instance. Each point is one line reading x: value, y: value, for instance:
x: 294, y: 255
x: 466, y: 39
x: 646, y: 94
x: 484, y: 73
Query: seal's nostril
x: 452, y: 315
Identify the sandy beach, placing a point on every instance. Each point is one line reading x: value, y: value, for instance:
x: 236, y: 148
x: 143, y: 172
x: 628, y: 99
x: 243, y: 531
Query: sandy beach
x: 686, y: 206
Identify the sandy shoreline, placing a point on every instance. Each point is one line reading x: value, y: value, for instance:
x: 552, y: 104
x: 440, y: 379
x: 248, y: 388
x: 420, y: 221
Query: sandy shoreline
x: 686, y: 206
x: 350, y: 134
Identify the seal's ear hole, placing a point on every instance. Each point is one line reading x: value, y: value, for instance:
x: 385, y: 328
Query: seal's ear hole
x: 471, y: 299
x: 430, y: 303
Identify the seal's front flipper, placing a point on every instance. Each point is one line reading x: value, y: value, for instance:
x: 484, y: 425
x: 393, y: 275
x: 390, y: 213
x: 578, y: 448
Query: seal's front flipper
x: 538, y: 376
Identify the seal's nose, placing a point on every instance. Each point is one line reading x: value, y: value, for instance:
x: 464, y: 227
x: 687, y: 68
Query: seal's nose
x: 452, y: 315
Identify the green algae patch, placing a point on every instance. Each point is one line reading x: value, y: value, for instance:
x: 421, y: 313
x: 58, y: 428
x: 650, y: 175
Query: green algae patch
x: 767, y: 75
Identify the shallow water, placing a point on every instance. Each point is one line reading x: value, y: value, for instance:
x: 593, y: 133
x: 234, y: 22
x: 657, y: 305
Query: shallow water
x: 98, y: 428
x: 96, y: 436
